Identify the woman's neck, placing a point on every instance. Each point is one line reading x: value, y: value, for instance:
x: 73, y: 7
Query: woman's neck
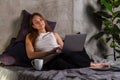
x: 42, y: 31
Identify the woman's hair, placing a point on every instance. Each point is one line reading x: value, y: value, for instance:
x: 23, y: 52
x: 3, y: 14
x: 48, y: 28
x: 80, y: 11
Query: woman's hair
x: 34, y: 32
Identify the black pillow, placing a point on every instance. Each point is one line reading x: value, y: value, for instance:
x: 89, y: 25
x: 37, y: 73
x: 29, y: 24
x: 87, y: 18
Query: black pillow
x: 18, y: 52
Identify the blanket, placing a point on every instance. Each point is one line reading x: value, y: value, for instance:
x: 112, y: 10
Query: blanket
x: 29, y: 73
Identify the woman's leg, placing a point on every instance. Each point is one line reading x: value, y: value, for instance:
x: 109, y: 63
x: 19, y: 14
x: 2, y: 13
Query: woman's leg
x: 58, y: 64
x: 79, y: 59
x: 68, y: 61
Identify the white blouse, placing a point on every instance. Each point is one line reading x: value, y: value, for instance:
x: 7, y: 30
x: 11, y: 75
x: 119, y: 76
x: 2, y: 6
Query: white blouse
x: 46, y: 42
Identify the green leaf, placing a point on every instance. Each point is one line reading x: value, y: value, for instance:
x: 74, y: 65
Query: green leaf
x: 116, y: 29
x: 112, y: 30
x: 104, y: 14
x: 117, y: 38
x: 117, y: 46
x: 116, y: 14
x: 118, y: 21
x: 107, y: 39
x: 118, y: 51
x: 107, y: 22
x: 118, y: 41
x: 112, y: 44
x: 107, y: 5
x: 110, y: 1
x: 116, y: 3
x: 108, y: 30
x: 98, y: 35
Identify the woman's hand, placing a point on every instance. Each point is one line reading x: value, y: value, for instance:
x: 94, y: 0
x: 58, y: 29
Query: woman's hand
x: 55, y: 50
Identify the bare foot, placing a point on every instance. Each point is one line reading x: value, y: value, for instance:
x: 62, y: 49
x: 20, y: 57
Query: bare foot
x: 99, y: 65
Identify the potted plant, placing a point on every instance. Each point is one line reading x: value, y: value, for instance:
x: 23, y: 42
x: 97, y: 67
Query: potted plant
x: 110, y: 24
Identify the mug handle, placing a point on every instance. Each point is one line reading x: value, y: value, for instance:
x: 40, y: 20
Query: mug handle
x: 33, y: 63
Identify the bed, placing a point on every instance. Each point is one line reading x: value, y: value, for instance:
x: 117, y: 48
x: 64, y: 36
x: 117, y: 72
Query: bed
x: 29, y: 73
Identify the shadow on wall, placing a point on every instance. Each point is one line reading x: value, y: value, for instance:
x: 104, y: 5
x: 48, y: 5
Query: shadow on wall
x: 97, y: 22
x: 16, y: 23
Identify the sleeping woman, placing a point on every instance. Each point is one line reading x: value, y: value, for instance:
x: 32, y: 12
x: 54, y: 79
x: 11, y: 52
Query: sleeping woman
x: 43, y: 43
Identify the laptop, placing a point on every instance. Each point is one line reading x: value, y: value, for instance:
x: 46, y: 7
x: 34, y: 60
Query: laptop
x: 74, y: 42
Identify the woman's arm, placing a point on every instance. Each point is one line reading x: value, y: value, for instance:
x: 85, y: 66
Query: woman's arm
x: 31, y: 52
x: 59, y: 40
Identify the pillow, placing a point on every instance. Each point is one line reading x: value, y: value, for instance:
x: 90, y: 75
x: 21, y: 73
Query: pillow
x: 6, y: 59
x: 16, y: 55
x: 25, y: 26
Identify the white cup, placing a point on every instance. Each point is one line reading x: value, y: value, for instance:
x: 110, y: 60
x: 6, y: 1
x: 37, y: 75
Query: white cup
x: 37, y: 64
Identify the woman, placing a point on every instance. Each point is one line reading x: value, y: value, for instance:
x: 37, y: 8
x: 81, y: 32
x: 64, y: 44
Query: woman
x: 43, y: 43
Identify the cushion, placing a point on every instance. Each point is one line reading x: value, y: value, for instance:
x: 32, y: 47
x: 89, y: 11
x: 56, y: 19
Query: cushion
x: 25, y: 26
x: 15, y: 55
x: 6, y: 59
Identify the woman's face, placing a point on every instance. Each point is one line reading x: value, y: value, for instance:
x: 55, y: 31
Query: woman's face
x: 38, y: 23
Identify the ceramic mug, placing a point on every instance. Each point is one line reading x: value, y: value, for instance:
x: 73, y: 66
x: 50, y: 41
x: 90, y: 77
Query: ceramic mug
x: 37, y: 64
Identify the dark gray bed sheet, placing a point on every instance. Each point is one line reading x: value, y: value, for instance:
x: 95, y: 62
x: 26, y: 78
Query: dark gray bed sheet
x: 25, y: 73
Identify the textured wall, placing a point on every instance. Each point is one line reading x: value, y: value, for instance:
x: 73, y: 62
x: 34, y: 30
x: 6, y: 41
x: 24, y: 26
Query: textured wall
x: 60, y: 11
x: 83, y: 10
x: 86, y: 22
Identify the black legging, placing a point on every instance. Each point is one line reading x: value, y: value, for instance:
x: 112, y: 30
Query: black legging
x: 69, y: 60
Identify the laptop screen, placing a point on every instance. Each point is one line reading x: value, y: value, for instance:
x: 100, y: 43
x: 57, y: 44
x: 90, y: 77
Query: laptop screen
x: 74, y: 42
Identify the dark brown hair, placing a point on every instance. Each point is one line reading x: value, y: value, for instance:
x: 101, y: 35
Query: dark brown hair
x: 34, y: 32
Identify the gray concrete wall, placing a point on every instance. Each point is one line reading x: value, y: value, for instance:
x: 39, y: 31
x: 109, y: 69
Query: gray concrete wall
x: 84, y: 22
